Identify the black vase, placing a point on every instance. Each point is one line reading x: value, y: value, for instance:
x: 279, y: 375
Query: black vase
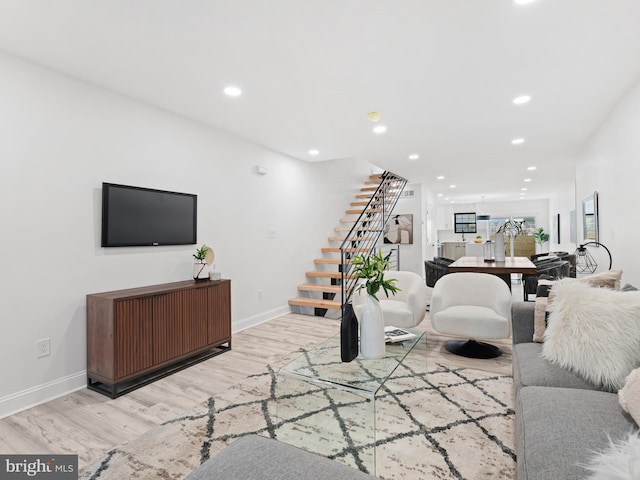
x: 348, y: 334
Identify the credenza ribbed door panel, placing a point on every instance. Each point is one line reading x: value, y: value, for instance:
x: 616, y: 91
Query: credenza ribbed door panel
x: 168, y: 326
x: 219, y: 319
x: 133, y: 335
x: 194, y: 315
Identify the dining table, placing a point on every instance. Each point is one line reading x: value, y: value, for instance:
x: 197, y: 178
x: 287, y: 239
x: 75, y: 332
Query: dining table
x: 502, y: 268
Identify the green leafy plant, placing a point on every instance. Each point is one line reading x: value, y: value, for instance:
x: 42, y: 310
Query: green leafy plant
x: 540, y: 236
x: 201, y: 253
x: 371, y: 268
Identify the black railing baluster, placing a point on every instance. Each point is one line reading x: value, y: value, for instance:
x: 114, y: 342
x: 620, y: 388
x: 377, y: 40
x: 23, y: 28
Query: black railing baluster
x: 389, y: 190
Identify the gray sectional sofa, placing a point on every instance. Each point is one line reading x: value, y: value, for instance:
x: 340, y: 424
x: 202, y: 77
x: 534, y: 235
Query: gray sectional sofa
x: 259, y: 458
x: 561, y: 419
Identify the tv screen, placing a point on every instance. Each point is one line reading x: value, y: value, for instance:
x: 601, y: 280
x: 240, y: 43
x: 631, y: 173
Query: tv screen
x: 136, y: 216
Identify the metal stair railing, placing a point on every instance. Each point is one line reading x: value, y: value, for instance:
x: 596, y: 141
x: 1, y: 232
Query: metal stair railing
x: 366, y: 231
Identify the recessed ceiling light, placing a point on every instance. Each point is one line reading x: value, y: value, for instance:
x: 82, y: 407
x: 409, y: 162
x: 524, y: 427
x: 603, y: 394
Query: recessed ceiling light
x: 414, y: 156
x: 453, y: 201
x: 522, y: 99
x: 439, y: 194
x: 517, y: 141
x: 379, y: 129
x: 233, y: 91
x: 524, y: 189
x: 446, y: 198
x: 314, y: 152
x: 532, y: 168
x: 527, y: 179
x: 440, y: 177
x: 452, y: 186
x: 523, y: 2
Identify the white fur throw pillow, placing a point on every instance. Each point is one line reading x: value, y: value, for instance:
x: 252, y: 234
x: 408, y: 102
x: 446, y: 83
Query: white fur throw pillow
x: 594, y: 332
x: 620, y: 461
x: 629, y: 395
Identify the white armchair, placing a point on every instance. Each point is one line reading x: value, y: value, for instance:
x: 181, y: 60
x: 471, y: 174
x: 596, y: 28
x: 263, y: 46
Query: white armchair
x: 404, y: 309
x: 474, y: 306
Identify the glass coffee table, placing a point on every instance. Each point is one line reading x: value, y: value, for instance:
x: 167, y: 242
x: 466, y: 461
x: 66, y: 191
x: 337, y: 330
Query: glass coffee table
x: 329, y: 407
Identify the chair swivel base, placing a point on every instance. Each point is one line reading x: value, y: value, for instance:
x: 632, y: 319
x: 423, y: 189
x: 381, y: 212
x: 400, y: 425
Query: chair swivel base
x: 472, y: 349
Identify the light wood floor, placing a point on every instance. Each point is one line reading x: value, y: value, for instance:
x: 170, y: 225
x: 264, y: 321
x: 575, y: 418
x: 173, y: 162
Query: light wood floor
x: 90, y: 424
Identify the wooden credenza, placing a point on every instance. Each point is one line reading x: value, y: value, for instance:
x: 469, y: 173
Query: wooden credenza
x: 139, y: 335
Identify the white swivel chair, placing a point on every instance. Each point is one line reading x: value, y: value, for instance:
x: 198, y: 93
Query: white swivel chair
x: 476, y: 306
x: 404, y: 309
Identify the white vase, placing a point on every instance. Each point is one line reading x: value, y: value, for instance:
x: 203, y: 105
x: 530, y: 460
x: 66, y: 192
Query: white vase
x: 200, y: 271
x: 500, y: 247
x: 371, y: 329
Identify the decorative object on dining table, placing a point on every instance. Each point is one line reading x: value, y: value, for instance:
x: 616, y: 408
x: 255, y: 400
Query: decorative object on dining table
x: 512, y: 228
x: 585, y: 263
x: 478, y: 239
x: 371, y: 269
x: 203, y: 259
x: 499, y: 247
x: 489, y: 251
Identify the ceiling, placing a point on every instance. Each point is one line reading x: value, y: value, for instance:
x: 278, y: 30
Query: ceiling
x: 441, y: 73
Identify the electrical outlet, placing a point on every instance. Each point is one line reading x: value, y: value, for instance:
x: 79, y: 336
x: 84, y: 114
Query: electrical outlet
x: 44, y: 347
x: 271, y: 233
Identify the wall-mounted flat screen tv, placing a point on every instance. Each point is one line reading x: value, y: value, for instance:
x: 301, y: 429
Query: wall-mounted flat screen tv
x: 136, y: 216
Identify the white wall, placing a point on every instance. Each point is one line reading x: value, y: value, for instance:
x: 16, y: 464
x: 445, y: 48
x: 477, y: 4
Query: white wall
x: 60, y: 139
x: 610, y: 165
x: 563, y: 203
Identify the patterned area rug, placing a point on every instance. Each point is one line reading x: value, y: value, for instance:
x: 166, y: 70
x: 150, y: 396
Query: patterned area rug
x: 435, y: 422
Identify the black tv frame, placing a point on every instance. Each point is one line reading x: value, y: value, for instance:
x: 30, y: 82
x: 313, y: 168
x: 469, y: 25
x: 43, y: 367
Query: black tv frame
x: 106, y: 187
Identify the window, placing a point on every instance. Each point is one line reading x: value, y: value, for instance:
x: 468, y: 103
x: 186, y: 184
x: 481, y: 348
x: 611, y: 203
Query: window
x: 464, y: 222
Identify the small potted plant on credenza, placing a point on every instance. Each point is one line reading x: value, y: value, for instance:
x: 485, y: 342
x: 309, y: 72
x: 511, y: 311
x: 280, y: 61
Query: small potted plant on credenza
x: 203, y: 258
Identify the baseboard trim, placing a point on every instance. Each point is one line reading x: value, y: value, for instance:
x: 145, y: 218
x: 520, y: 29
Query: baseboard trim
x: 34, y: 396
x: 262, y: 317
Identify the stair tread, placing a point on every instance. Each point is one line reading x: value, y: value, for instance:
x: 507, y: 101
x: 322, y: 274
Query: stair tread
x: 373, y: 202
x: 342, y: 239
x: 348, y: 250
x: 329, y: 261
x: 369, y: 210
x: 359, y: 229
x: 319, y: 287
x: 321, y: 274
x: 316, y: 303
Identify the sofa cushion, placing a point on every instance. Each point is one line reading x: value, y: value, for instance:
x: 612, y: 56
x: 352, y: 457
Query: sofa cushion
x: 629, y: 395
x: 595, y: 332
x: 545, y: 294
x: 531, y: 368
x: 558, y: 429
x: 258, y: 458
x: 543, y: 297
